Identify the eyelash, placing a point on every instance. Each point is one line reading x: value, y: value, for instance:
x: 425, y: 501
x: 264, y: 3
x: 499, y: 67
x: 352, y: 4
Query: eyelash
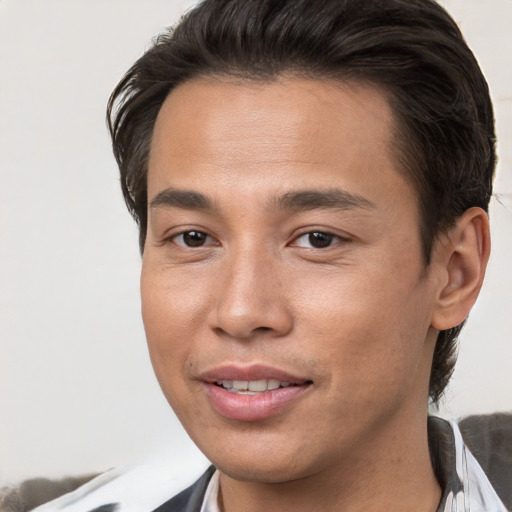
x: 192, y: 232
x: 321, y: 236
x: 318, y: 236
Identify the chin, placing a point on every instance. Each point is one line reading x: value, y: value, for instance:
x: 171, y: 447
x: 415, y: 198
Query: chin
x: 271, y: 472
x: 264, y: 460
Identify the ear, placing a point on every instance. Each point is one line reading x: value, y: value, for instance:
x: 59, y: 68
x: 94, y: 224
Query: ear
x: 461, y: 255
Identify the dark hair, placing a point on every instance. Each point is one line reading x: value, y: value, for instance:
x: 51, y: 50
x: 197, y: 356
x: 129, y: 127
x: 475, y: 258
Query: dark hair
x: 411, y: 49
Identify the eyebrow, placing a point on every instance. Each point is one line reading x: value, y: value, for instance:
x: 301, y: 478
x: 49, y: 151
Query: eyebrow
x: 337, y: 199
x: 301, y: 200
x: 184, y: 199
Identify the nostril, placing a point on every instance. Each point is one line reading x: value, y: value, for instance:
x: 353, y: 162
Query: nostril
x: 249, y: 334
x: 246, y: 320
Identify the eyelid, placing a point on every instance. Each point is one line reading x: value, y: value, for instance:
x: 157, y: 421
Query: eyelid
x: 208, y: 241
x: 337, y: 238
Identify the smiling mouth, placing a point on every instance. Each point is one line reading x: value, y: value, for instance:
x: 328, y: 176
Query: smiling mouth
x: 255, y: 387
x: 254, y: 393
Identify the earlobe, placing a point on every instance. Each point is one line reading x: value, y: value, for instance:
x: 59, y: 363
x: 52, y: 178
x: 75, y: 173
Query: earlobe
x: 462, y: 257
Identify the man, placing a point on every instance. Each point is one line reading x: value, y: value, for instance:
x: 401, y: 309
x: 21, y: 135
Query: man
x: 311, y: 181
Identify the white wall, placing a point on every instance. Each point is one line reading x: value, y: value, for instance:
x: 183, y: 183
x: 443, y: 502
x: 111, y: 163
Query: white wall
x: 77, y: 390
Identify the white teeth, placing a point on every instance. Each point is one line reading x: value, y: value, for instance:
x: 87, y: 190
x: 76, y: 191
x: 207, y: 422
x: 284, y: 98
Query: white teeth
x: 252, y: 386
x: 273, y: 384
x: 241, y: 385
x: 258, y: 385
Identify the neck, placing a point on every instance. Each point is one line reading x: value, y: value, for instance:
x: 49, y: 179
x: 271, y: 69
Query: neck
x: 394, y: 472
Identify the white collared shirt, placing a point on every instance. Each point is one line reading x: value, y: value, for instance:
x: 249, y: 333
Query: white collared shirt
x: 211, y: 501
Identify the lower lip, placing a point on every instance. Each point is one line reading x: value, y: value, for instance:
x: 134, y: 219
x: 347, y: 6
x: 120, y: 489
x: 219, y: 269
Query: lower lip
x: 238, y: 406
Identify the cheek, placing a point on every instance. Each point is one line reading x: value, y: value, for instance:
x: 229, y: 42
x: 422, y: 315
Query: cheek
x: 171, y: 314
x: 173, y: 311
x: 372, y: 326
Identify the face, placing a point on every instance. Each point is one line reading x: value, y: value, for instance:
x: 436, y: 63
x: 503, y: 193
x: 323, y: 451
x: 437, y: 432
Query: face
x: 285, y: 301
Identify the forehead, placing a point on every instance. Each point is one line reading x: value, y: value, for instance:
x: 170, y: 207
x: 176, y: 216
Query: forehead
x: 311, y: 131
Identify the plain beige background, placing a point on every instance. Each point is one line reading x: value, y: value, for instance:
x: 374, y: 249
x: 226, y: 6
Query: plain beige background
x: 77, y: 390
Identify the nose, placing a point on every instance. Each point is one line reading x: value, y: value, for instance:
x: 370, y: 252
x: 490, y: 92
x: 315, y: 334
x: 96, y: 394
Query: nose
x: 251, y: 298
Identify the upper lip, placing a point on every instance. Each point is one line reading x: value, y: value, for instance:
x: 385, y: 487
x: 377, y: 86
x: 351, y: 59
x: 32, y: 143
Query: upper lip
x: 250, y: 373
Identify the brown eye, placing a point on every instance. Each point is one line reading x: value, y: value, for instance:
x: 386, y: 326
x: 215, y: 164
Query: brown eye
x: 192, y: 239
x: 316, y: 240
x: 320, y: 240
